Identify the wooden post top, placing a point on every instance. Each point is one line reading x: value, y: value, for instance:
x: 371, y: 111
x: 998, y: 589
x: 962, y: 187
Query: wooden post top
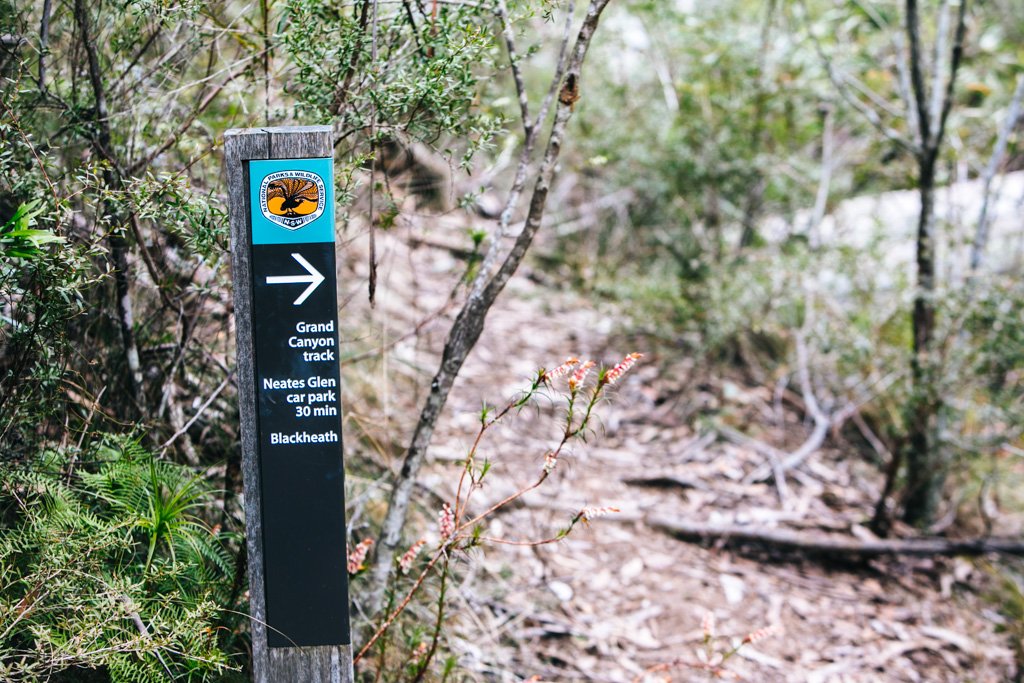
x: 278, y: 142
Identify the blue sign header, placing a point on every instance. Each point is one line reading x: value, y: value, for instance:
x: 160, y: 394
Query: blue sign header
x: 292, y: 200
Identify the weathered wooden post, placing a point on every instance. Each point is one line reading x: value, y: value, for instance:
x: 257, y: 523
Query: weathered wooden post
x: 281, y: 209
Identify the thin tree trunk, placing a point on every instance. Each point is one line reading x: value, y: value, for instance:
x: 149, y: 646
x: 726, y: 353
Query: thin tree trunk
x: 118, y: 244
x: 926, y: 461
x: 470, y: 322
x: 925, y: 473
x: 825, y: 179
x: 755, y: 194
x: 44, y: 43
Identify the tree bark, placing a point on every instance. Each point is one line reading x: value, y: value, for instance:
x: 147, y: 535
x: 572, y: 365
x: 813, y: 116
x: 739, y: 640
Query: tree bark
x: 926, y: 474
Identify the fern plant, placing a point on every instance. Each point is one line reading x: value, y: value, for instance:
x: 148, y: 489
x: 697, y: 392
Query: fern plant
x: 109, y: 568
x: 160, y: 500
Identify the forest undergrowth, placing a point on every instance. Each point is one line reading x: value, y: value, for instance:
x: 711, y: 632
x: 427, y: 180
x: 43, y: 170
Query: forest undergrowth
x: 623, y: 600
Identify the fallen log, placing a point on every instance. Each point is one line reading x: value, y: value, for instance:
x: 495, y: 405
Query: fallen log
x: 831, y: 545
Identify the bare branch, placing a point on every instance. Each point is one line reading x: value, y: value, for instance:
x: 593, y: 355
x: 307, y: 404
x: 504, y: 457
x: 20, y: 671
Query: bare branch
x: 120, y: 86
x: 870, y: 94
x: 133, y: 614
x: 173, y: 138
x: 517, y: 74
x: 138, y: 56
x: 839, y: 83
x: 954, y: 68
x: 831, y: 546
x: 902, y: 73
x: 199, y: 412
x: 44, y: 43
x: 903, y: 83
x: 825, y: 179
x: 526, y: 154
x: 913, y: 28
x: 994, y: 162
x: 824, y: 420
x: 563, y: 54
x: 939, y: 61
x: 371, y: 285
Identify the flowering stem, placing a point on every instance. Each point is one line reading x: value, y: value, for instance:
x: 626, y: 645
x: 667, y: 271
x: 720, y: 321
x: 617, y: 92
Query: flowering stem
x: 385, y: 641
x: 401, y: 606
x: 467, y: 469
x: 459, y: 534
x: 590, y: 409
x: 485, y: 425
x: 504, y: 501
x: 504, y: 541
x: 438, y: 623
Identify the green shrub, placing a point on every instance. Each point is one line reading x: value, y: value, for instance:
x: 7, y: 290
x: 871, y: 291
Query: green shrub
x: 107, y: 567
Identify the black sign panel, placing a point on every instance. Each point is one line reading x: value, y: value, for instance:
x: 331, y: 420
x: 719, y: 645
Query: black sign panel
x: 295, y: 329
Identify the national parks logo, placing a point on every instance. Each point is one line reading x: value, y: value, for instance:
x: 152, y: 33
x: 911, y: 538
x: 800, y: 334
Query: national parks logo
x: 292, y: 199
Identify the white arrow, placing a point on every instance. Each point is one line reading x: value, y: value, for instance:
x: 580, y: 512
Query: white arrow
x: 314, y: 279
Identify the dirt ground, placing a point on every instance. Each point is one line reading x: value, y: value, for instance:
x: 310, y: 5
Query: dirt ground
x: 621, y: 601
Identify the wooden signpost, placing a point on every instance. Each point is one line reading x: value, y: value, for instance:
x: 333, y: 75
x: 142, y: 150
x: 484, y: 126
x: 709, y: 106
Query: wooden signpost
x: 281, y: 209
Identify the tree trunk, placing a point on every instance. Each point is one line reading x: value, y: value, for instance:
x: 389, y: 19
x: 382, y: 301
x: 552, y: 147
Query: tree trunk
x: 926, y: 470
x: 469, y: 324
x: 119, y: 246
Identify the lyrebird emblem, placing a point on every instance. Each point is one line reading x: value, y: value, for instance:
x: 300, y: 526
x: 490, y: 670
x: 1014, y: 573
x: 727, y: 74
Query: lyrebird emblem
x: 292, y: 198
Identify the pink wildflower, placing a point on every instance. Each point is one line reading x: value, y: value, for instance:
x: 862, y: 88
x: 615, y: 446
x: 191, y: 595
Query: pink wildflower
x: 589, y: 513
x: 580, y: 376
x: 550, y: 460
x: 760, y: 634
x: 613, y: 375
x: 446, y: 521
x: 420, y: 650
x: 405, y: 562
x: 357, y: 556
x: 561, y: 371
x: 708, y: 625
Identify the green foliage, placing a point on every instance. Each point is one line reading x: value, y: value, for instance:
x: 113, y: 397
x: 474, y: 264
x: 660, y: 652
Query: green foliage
x: 104, y: 567
x: 160, y: 500
x: 44, y: 281
x: 999, y: 354
x: 18, y: 239
x: 710, y: 118
x: 708, y: 137
x: 196, y: 218
x: 738, y: 146
x: 405, y: 76
x: 107, y: 562
x: 980, y: 374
